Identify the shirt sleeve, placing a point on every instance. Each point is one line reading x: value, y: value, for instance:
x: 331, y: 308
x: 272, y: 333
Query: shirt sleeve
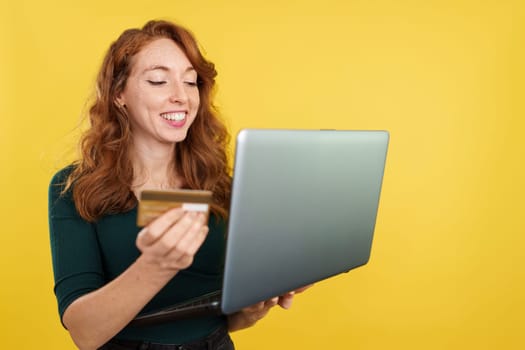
x: 77, y: 264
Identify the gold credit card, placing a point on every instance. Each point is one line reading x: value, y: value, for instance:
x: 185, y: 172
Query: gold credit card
x: 154, y: 203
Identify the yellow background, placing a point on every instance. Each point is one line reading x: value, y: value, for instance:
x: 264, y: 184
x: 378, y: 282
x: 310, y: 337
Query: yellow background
x: 445, y: 77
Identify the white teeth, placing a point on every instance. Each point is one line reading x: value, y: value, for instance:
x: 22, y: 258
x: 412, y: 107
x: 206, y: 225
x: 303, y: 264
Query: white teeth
x: 178, y: 116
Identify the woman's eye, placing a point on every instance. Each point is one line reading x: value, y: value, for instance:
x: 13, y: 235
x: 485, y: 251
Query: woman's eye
x: 156, y: 82
x: 191, y: 83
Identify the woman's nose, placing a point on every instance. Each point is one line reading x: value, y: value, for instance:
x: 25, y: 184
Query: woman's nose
x: 178, y: 93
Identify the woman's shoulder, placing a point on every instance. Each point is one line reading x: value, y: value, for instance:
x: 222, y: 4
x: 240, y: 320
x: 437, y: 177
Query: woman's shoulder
x: 60, y: 177
x: 61, y: 203
x: 59, y: 181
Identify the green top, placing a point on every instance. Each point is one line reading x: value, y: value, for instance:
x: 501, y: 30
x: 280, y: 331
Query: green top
x: 87, y: 255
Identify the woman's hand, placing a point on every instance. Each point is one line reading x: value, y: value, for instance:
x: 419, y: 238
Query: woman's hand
x: 170, y: 242
x: 248, y: 316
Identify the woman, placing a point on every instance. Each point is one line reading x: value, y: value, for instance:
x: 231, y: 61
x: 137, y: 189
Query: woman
x: 152, y: 126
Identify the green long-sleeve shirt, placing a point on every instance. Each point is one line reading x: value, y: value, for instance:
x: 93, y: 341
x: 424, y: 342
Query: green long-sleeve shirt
x: 88, y: 255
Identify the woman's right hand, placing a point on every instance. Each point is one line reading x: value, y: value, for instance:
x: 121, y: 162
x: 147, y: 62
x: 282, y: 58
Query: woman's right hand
x: 170, y: 242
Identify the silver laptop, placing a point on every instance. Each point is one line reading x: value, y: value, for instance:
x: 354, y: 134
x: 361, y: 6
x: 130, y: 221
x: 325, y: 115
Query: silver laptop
x: 303, y: 209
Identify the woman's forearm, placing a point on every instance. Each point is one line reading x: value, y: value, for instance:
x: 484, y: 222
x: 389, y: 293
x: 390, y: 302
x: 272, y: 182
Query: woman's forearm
x: 95, y: 318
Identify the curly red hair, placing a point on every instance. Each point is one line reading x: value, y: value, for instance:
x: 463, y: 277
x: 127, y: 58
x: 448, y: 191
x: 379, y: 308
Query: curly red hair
x: 102, y: 178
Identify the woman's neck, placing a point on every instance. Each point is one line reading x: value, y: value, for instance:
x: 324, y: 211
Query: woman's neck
x: 154, y: 167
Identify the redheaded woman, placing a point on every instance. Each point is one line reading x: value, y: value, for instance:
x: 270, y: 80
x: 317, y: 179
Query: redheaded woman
x: 152, y: 125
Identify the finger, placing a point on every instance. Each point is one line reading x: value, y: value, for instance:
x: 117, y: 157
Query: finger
x: 271, y: 302
x: 182, y: 242
x: 286, y: 300
x: 184, y: 258
x: 191, y: 240
x: 199, y: 237
x: 183, y: 262
x: 197, y: 241
x: 169, y: 239
x: 156, y: 229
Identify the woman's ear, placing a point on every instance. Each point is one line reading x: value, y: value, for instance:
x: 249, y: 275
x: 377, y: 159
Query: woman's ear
x: 120, y: 101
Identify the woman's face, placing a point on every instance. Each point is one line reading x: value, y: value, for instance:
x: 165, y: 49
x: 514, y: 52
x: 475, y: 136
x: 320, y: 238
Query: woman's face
x: 161, y: 94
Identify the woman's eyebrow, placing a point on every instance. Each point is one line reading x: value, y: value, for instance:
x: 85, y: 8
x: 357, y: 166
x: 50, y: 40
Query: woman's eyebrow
x: 165, y: 69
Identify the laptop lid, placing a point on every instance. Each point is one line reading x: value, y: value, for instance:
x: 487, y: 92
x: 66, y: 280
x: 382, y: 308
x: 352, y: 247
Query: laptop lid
x: 304, y: 206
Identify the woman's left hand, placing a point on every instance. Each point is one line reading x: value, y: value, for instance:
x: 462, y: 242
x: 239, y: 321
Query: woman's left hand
x: 248, y: 316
